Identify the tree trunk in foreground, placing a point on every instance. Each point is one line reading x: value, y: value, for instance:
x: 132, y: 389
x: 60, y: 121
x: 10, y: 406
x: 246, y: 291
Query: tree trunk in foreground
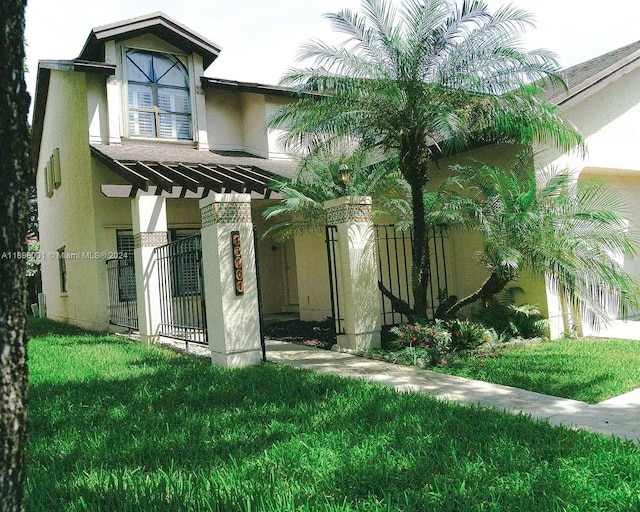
x: 414, y: 166
x: 15, y: 170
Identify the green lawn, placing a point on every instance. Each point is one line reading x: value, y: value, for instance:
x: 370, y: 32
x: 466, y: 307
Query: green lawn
x: 590, y: 370
x: 121, y: 426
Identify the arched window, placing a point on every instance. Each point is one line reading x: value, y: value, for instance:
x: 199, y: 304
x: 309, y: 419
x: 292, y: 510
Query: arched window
x: 158, y: 90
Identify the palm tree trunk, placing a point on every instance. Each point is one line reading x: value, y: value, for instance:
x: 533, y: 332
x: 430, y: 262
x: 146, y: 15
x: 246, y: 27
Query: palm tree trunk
x: 492, y: 285
x: 420, y: 257
x: 15, y: 166
x: 414, y: 168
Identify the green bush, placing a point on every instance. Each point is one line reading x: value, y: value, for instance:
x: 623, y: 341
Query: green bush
x: 431, y: 344
x: 510, y: 320
x: 468, y: 335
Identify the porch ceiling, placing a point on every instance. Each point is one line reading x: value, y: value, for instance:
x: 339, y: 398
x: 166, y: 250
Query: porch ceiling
x: 187, y: 172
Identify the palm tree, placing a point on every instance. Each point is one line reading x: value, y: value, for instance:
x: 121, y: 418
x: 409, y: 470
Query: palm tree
x: 552, y: 226
x: 422, y: 82
x: 330, y: 173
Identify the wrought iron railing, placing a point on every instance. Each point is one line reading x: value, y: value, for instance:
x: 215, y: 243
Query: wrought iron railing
x: 182, y: 301
x: 123, y: 305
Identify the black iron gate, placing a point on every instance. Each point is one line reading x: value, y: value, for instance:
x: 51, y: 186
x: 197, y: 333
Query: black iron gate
x: 394, y: 264
x: 182, y: 301
x: 394, y: 272
x: 331, y: 238
x: 123, y: 305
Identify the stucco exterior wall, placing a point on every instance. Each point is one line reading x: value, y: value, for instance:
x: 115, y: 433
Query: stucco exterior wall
x: 610, y: 123
x: 224, y: 120
x: 276, y: 265
x: 98, y: 109
x: 272, y: 106
x: 66, y: 217
x: 313, y: 277
x: 254, y: 135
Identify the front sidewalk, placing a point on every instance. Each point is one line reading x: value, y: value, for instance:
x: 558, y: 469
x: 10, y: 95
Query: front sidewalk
x: 619, y: 416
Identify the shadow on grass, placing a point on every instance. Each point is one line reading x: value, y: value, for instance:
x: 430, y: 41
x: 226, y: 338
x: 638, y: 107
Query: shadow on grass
x: 183, y: 435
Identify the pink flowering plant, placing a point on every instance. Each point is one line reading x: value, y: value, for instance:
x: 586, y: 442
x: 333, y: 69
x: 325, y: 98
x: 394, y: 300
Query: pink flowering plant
x: 427, y: 342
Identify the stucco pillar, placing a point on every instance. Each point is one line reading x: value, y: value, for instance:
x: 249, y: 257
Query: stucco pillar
x: 149, y: 216
x: 230, y: 283
x: 114, y: 107
x: 358, y: 271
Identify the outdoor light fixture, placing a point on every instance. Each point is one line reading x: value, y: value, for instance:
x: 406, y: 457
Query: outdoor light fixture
x: 344, y: 173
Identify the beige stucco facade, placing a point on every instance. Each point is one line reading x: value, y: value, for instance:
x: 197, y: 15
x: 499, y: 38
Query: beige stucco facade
x: 88, y: 107
x: 82, y: 105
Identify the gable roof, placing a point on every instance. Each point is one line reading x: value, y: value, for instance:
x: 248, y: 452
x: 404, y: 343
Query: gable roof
x: 156, y: 23
x: 42, y: 92
x: 590, y: 76
x: 181, y: 171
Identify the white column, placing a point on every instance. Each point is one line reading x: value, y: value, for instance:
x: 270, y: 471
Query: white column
x: 230, y: 283
x: 114, y: 97
x: 149, y: 215
x: 358, y: 291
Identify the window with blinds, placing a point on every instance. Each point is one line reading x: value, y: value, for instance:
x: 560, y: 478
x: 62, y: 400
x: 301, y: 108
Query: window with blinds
x: 158, y: 96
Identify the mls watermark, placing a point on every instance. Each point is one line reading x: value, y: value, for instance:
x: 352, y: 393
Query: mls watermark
x: 63, y: 255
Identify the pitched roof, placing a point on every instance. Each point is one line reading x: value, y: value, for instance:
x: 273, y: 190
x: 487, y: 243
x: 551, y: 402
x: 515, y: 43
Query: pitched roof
x: 156, y: 23
x: 180, y: 171
x: 588, y: 77
x: 42, y: 92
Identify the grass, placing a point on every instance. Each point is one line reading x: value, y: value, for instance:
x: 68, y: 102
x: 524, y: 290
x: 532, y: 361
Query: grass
x: 120, y: 426
x: 589, y: 370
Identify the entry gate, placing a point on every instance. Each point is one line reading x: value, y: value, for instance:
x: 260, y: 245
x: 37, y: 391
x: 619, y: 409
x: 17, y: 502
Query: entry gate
x: 394, y: 271
x: 123, y: 305
x: 182, y: 302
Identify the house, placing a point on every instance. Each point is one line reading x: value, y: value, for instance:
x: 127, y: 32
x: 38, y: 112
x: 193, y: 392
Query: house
x: 603, y: 102
x: 138, y: 154
x: 134, y: 115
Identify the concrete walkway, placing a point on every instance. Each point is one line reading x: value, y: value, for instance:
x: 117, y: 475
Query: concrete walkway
x: 619, y: 416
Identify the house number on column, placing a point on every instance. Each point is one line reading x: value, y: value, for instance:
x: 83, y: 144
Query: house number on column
x: 237, y: 262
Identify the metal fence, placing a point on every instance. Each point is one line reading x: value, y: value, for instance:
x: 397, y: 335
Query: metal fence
x: 182, y: 301
x: 331, y: 237
x: 395, y: 263
x: 394, y: 266
x: 123, y: 305
x: 394, y: 269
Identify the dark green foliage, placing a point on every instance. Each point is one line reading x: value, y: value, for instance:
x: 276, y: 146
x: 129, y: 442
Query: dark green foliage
x: 550, y: 225
x: 418, y: 81
x: 509, y: 320
x: 468, y: 335
x: 328, y: 174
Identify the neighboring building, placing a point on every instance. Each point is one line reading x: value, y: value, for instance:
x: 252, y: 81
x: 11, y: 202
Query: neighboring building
x: 603, y: 102
x: 134, y: 116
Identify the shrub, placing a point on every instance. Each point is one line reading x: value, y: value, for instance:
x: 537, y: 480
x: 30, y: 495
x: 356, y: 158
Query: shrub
x: 510, y: 320
x: 423, y: 344
x: 468, y: 335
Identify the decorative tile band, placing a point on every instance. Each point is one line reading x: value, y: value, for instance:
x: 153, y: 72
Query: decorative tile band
x: 226, y: 213
x: 348, y: 213
x: 153, y: 239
